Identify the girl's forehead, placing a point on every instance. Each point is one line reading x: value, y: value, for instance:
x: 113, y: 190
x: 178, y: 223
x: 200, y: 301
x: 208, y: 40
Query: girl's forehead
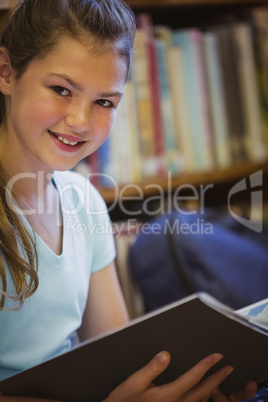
x: 93, y: 44
x: 67, y: 45
x: 88, y: 46
x: 69, y: 57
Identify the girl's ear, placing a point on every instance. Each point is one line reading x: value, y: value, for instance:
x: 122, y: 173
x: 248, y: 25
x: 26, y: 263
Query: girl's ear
x: 5, y: 71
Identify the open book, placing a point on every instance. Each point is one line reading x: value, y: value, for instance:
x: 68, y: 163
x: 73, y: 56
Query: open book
x: 189, y: 329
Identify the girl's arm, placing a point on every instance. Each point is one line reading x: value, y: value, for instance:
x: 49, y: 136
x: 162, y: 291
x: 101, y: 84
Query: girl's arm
x: 106, y: 308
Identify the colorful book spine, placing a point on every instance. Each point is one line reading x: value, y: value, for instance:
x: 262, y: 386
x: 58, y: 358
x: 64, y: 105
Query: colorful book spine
x: 232, y: 94
x: 171, y: 151
x: 197, y: 39
x: 185, y: 40
x: 216, y: 99
x: 130, y: 142
x: 141, y: 80
x: 258, y: 18
x: 161, y: 165
x: 180, y: 111
x: 121, y: 149
x: 249, y: 88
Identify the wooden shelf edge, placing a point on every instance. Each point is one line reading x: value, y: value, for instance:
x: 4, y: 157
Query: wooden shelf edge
x: 170, y: 182
x: 159, y: 3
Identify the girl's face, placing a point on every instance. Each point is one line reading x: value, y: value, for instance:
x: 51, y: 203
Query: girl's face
x: 64, y: 105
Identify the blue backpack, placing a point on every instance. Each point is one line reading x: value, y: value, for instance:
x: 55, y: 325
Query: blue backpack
x: 178, y: 254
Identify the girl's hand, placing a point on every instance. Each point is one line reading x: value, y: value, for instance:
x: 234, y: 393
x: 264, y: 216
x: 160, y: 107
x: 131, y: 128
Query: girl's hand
x: 248, y: 392
x: 139, y: 386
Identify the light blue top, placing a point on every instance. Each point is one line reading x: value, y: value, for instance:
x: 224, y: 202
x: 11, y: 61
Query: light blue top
x: 42, y: 328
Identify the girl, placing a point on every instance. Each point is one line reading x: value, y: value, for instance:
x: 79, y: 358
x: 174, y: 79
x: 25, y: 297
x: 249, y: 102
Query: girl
x: 63, y: 66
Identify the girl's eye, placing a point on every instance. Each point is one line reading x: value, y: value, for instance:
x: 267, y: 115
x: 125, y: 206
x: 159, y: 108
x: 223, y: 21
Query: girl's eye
x: 105, y: 103
x: 60, y: 90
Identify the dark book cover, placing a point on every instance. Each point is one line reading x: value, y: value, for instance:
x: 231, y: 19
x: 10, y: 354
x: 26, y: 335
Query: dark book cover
x: 189, y: 329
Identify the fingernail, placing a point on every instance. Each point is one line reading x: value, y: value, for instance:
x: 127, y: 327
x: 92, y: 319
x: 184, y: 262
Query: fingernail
x: 217, y: 357
x: 251, y: 386
x: 162, y: 356
x: 228, y: 370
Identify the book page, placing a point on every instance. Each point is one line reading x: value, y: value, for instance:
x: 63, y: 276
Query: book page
x: 257, y: 313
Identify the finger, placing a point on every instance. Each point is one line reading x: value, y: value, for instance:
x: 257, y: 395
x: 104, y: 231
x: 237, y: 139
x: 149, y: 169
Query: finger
x: 248, y: 392
x: 144, y: 377
x: 192, y: 377
x: 209, y: 386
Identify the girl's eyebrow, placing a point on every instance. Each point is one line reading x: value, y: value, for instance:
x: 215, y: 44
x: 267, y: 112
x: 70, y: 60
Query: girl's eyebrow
x: 80, y: 88
x: 68, y: 79
x: 117, y: 94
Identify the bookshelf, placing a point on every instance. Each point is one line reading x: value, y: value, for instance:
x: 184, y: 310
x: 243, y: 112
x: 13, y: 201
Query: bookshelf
x: 217, y: 177
x: 182, y: 14
x: 215, y: 182
x: 179, y: 13
x: 161, y: 3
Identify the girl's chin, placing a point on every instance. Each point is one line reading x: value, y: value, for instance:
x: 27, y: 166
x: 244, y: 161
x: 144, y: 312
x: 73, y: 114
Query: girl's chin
x: 62, y: 167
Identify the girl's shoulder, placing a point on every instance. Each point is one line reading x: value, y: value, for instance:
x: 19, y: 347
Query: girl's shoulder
x: 70, y: 177
x: 76, y: 185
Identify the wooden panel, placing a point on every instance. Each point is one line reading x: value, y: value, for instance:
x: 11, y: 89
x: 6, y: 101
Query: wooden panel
x: 167, y: 183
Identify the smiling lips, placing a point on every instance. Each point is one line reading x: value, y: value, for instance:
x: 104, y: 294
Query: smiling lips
x: 64, y: 139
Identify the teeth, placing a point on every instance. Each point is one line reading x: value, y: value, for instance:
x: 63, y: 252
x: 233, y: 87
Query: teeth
x: 66, y: 141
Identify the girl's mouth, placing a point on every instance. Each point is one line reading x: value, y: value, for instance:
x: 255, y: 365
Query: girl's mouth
x: 64, y: 140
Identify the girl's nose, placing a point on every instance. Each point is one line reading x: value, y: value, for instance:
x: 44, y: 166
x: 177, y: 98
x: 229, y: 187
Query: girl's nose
x: 79, y: 118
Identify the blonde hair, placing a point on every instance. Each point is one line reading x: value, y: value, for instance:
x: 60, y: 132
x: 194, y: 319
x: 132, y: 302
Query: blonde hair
x: 13, y: 237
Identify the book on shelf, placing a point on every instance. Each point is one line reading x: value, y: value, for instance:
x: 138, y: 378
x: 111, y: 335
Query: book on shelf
x: 140, y: 77
x: 196, y: 96
x: 232, y: 93
x: 203, y: 93
x: 125, y: 154
x: 179, y: 107
x: 173, y: 153
x: 189, y: 329
x: 132, y: 133
x: 216, y: 99
x: 145, y: 23
x: 245, y: 61
x: 156, y: 106
x: 258, y: 18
